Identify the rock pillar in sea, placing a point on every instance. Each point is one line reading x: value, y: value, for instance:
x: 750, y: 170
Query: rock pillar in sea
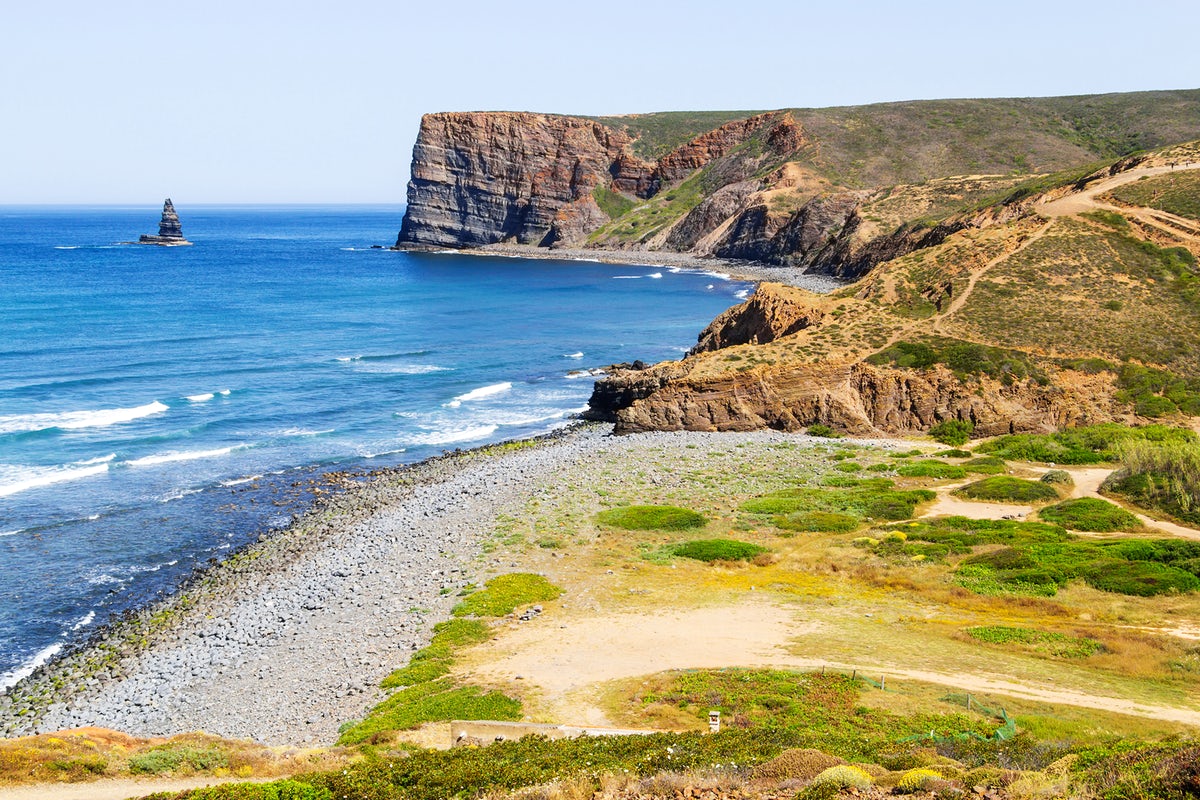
x: 170, y: 232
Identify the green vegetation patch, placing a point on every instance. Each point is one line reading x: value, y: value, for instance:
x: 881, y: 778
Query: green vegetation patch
x: 434, y: 701
x: 965, y: 359
x: 1164, y: 476
x: 434, y: 661
x: 872, y: 498
x: 818, y: 521
x: 277, y: 790
x: 177, y: 758
x: 1157, y: 392
x: 1037, y: 558
x: 1094, y: 444
x: 952, y: 431
x: 613, y: 204
x: 985, y: 465
x: 504, y: 593
x: 710, y: 550
x: 652, y: 518
x: 931, y: 468
x: 1005, y: 488
x: 1043, y: 642
x: 1090, y: 514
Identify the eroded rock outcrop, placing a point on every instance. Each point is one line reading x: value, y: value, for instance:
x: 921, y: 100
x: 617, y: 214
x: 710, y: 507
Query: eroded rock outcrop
x: 481, y: 178
x: 768, y: 315
x: 170, y: 231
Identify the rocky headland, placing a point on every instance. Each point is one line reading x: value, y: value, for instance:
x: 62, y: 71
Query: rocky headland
x: 943, y: 228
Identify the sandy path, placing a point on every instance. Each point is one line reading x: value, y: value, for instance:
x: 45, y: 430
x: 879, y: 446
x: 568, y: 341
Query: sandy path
x: 116, y: 789
x: 1088, y: 481
x: 563, y: 659
x: 1079, y: 202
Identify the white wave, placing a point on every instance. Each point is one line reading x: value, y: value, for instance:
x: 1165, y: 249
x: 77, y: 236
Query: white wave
x: 403, y: 369
x: 19, y: 479
x: 710, y: 286
x: 723, y: 276
x: 185, y: 455
x: 103, y: 579
x: 84, y: 621
x: 73, y: 420
x: 346, y: 359
x: 588, y: 260
x: 11, y: 533
x: 372, y: 454
x: 627, y: 277
x: 200, y: 398
x: 576, y: 374
x: 25, y: 670
x: 453, y: 436
x: 674, y: 270
x: 547, y: 416
x: 654, y: 275
x: 225, y: 392
x: 182, y: 493
x: 92, y: 517
x: 742, y: 295
x: 240, y: 481
x: 573, y: 355
x: 480, y: 393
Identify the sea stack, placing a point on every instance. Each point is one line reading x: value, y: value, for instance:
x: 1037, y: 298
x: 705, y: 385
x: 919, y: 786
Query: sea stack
x: 169, y: 230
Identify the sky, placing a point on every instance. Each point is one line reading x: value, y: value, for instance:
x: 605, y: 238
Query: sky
x: 209, y: 101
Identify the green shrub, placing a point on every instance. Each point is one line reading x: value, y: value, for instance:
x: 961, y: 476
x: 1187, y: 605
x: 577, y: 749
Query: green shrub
x: 954, y: 454
x: 931, y: 468
x: 277, y: 790
x: 646, y: 518
x: 1058, y: 477
x: 711, y: 550
x: 1090, y: 514
x: 952, y: 431
x: 1162, y: 475
x: 872, y: 497
x: 1093, y: 444
x: 1004, y: 488
x: 848, y: 466
x: 177, y: 757
x: 822, y: 430
x: 504, y: 593
x: 985, y: 465
x: 813, y: 521
x: 797, y: 764
x: 436, y: 701
x: 1138, y: 578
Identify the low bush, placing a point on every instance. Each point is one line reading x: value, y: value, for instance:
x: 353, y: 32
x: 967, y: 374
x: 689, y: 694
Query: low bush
x: 985, y: 465
x: 952, y: 431
x: 797, y: 764
x: 843, y: 776
x: 874, y: 498
x: 1094, y: 444
x: 435, y: 701
x: 823, y: 431
x: 1138, y: 578
x: 814, y: 521
x: 278, y: 790
x: 1090, y: 514
x: 177, y: 758
x: 504, y: 593
x: 1058, y: 477
x: 710, y: 550
x: 647, y: 518
x: 1003, y: 488
x: 931, y: 468
x: 917, y: 780
x: 434, y: 661
x: 954, y: 454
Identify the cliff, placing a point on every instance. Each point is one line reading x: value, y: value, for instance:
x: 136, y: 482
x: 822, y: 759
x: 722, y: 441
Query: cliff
x: 832, y: 191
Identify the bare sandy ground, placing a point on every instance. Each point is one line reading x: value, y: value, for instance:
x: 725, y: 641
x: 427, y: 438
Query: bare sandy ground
x: 585, y: 652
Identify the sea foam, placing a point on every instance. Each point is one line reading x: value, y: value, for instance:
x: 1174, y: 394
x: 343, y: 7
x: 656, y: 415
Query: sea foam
x: 15, y: 479
x: 186, y: 455
x: 453, y: 436
x: 25, y: 670
x: 480, y: 393
x: 74, y: 420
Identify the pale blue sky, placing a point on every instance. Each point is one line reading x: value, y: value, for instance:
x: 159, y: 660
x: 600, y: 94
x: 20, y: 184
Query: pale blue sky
x: 260, y: 101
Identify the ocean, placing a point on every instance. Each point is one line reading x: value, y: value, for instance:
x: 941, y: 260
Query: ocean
x: 161, y: 407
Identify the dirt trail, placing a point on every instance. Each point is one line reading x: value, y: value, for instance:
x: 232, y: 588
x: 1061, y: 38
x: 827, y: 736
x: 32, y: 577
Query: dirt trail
x: 1079, y: 202
x: 115, y: 789
x: 560, y: 660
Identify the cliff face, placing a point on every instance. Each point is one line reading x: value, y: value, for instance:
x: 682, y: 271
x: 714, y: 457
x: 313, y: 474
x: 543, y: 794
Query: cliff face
x: 480, y: 178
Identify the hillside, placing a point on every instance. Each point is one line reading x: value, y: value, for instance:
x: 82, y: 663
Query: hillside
x: 834, y: 190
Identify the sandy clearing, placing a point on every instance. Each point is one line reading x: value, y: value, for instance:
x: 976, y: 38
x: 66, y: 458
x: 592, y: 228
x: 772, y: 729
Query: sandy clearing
x: 561, y: 660
x: 947, y: 505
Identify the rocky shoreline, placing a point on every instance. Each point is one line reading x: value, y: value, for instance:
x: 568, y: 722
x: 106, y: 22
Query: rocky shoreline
x: 289, y: 638
x: 742, y: 270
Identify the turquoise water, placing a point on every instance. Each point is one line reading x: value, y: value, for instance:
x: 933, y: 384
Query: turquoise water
x: 148, y: 394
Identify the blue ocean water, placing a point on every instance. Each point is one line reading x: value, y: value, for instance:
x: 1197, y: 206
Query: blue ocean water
x: 144, y: 389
